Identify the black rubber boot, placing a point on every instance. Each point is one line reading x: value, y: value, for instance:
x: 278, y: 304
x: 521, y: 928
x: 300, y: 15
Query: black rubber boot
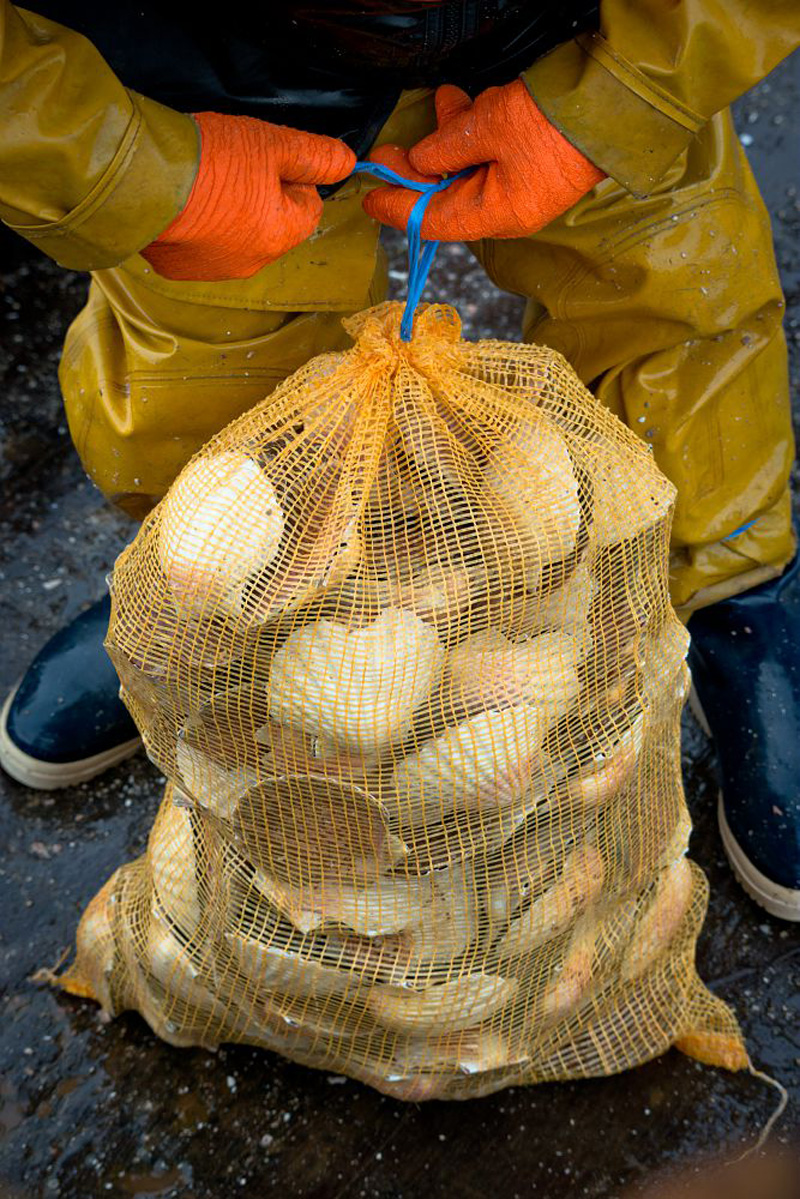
x: 745, y: 661
x: 64, y: 723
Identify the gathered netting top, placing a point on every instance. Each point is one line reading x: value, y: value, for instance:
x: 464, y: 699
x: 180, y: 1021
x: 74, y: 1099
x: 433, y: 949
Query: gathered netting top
x: 400, y: 639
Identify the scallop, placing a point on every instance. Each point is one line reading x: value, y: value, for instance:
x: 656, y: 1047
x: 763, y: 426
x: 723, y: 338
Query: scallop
x: 219, y: 523
x: 486, y: 762
x: 630, y: 495
x: 579, y: 883
x: 358, y: 689
x: 532, y: 485
x: 488, y: 669
x: 661, y: 919
x: 173, y: 865
x: 446, y: 1007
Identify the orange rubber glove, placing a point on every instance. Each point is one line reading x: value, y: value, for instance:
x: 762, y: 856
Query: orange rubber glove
x: 254, y: 198
x: 527, y: 173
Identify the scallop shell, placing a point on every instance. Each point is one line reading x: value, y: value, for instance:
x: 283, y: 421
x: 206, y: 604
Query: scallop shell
x: 173, y: 866
x: 446, y: 1007
x: 219, y: 523
x: 579, y: 883
x: 315, y: 832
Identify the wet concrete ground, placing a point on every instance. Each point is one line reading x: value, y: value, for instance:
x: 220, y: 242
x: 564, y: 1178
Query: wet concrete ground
x: 90, y: 1109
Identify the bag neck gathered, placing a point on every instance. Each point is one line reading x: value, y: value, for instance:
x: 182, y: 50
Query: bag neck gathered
x: 421, y: 253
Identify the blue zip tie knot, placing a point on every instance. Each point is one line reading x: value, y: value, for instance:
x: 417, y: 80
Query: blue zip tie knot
x: 420, y: 253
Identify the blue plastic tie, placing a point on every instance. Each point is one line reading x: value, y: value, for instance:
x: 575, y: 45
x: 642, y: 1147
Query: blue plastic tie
x: 741, y: 529
x: 420, y: 253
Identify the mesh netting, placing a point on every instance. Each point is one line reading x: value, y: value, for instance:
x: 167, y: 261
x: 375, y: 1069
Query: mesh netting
x: 401, y: 640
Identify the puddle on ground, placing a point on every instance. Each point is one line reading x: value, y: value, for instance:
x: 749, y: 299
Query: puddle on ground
x: 149, y: 1184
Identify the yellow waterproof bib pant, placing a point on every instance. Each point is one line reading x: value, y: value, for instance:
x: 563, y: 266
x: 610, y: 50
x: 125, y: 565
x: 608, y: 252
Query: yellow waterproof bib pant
x: 669, y: 307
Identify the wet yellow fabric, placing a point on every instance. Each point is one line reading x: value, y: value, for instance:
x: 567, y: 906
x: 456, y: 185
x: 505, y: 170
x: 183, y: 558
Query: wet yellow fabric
x: 633, y: 96
x: 669, y: 307
x: 400, y: 639
x: 152, y: 367
x: 89, y: 171
x: 92, y: 172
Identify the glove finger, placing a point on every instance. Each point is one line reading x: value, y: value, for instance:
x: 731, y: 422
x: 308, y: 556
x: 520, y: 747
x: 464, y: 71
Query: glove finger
x: 457, y: 214
x: 450, y: 102
x: 456, y: 145
x: 391, y: 206
x: 302, y: 208
x: 311, y: 157
x: 396, y: 158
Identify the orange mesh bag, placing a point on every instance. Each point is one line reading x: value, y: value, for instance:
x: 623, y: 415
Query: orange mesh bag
x: 400, y: 638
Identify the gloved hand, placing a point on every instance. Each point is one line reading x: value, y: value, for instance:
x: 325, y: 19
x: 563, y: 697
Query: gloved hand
x: 254, y: 198
x: 527, y: 173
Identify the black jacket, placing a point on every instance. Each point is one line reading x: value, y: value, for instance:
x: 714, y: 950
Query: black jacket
x: 333, y: 67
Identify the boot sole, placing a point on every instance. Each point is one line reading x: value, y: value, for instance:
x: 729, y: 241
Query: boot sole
x: 53, y: 776
x: 781, y: 902
x: 697, y: 711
